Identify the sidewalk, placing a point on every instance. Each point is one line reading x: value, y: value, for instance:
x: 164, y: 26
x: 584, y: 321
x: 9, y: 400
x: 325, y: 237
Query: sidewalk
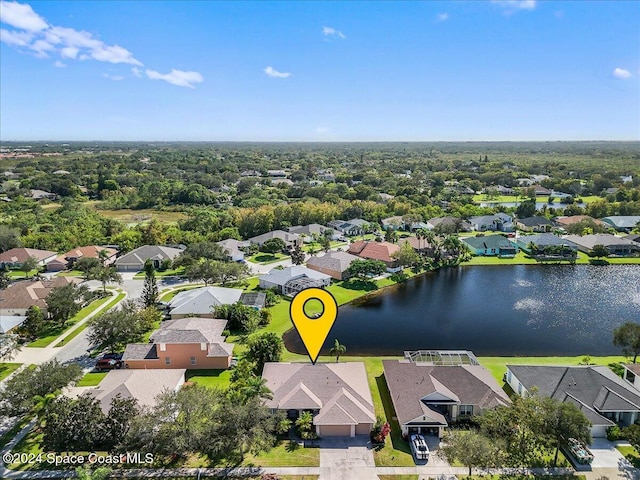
x: 35, y: 356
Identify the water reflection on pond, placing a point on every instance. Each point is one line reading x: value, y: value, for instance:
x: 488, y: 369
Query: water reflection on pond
x: 518, y: 310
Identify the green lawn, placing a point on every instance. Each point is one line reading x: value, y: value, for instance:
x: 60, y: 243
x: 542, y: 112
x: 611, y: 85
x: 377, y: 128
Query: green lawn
x: 70, y: 273
x: 15, y: 274
x: 497, y: 365
x: 7, y: 369
x: 91, y: 379
x: 266, y: 258
x: 522, y: 259
x: 77, y: 331
x: 54, y: 332
x: 630, y: 454
x: 285, y: 454
x: 210, y: 378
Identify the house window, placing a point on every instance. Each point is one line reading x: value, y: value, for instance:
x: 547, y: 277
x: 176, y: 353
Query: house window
x: 193, y: 360
x: 163, y: 347
x: 167, y: 360
x: 465, y: 410
x: 519, y: 389
x: 631, y: 377
x: 509, y: 376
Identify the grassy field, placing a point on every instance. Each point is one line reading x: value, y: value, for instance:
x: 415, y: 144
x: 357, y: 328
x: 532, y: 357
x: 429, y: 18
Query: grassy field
x: 286, y: 454
x: 210, y: 378
x: 91, y: 379
x: 630, y: 454
x: 52, y: 333
x: 522, y: 259
x: 16, y: 274
x: 7, y: 369
x: 76, y: 332
x: 267, y: 258
x: 139, y: 216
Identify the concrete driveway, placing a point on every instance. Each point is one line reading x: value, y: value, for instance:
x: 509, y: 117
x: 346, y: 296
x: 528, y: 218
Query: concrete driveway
x: 605, y: 455
x: 343, y: 458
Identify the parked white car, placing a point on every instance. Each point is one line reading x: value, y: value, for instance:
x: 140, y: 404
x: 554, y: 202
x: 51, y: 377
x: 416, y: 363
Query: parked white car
x: 419, y: 447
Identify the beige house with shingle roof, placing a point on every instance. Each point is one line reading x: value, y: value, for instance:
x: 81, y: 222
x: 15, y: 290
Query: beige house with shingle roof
x: 337, y: 394
x: 19, y: 296
x: 334, y: 264
x: 15, y: 257
x: 142, y: 385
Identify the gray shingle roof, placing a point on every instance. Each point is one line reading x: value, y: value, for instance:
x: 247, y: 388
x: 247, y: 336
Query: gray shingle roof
x: 606, y: 239
x: 535, y: 221
x: 409, y: 383
x: 544, y: 239
x: 596, y: 387
x: 281, y: 277
x: 146, y: 252
x: 190, y: 330
x: 336, y: 261
x: 200, y: 301
x: 140, y: 351
x: 489, y: 242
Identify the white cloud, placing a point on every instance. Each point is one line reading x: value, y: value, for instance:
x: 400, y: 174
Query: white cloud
x: 117, y: 78
x: 272, y: 72
x: 330, y: 31
x: 12, y: 37
x: 33, y: 33
x: 69, y: 52
x: 177, y: 77
x: 21, y: 15
x: 443, y: 17
x: 621, y: 73
x: 515, y: 5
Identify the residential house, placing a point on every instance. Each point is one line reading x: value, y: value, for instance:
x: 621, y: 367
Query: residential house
x: 540, y: 190
x: 632, y: 374
x: 616, y: 245
x: 15, y: 257
x: 201, y: 302
x: 498, y: 222
x: 566, y: 221
x: 624, y: 223
x: 634, y: 237
x: 500, y: 190
x: 428, y: 393
x: 393, y: 223
x: 547, y: 245
x: 9, y: 322
x: 277, y: 173
x: 449, y: 224
x: 134, y: 260
x: 334, y: 264
x: 382, y: 251
x: 142, y: 385
x: 420, y: 245
x: 600, y: 394
x: 195, y: 343
x: 42, y: 195
x: 232, y: 248
x: 350, y: 228
x: 291, y: 280
x: 307, y: 232
x: 91, y: 251
x: 491, y: 245
x: 337, y: 395
x: 19, y: 296
x: 535, y: 224
x: 289, y: 239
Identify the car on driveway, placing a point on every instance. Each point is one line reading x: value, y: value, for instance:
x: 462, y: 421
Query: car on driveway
x: 109, y: 361
x: 419, y: 447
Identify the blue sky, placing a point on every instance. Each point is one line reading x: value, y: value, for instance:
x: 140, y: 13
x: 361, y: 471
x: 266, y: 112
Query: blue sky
x: 320, y: 71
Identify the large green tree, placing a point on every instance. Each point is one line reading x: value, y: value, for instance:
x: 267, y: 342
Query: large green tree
x: 150, y: 289
x: 366, y: 268
x: 18, y: 396
x: 472, y: 449
x: 627, y: 336
x: 64, y: 302
x: 562, y: 421
x: 264, y: 347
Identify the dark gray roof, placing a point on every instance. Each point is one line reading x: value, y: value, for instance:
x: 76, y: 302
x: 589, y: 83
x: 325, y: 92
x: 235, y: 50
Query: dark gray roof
x: 544, y: 239
x: 140, y: 351
x: 253, y: 299
x: 535, y: 221
x: 410, y: 382
x: 489, y: 242
x: 596, y: 387
x: 190, y: 330
x: 146, y: 252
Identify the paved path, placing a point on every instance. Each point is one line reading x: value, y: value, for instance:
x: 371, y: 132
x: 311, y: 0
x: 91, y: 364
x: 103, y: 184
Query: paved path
x: 347, y: 459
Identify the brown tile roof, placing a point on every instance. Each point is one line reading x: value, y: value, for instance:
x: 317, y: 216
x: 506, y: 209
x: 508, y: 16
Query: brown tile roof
x: 22, y: 295
x: 91, y: 251
x: 374, y: 250
x: 576, y: 219
x: 410, y: 382
x: 19, y: 255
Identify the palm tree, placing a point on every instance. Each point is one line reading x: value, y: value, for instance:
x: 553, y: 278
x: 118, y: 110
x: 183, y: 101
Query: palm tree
x: 337, y: 350
x: 304, y: 422
x: 256, y: 387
